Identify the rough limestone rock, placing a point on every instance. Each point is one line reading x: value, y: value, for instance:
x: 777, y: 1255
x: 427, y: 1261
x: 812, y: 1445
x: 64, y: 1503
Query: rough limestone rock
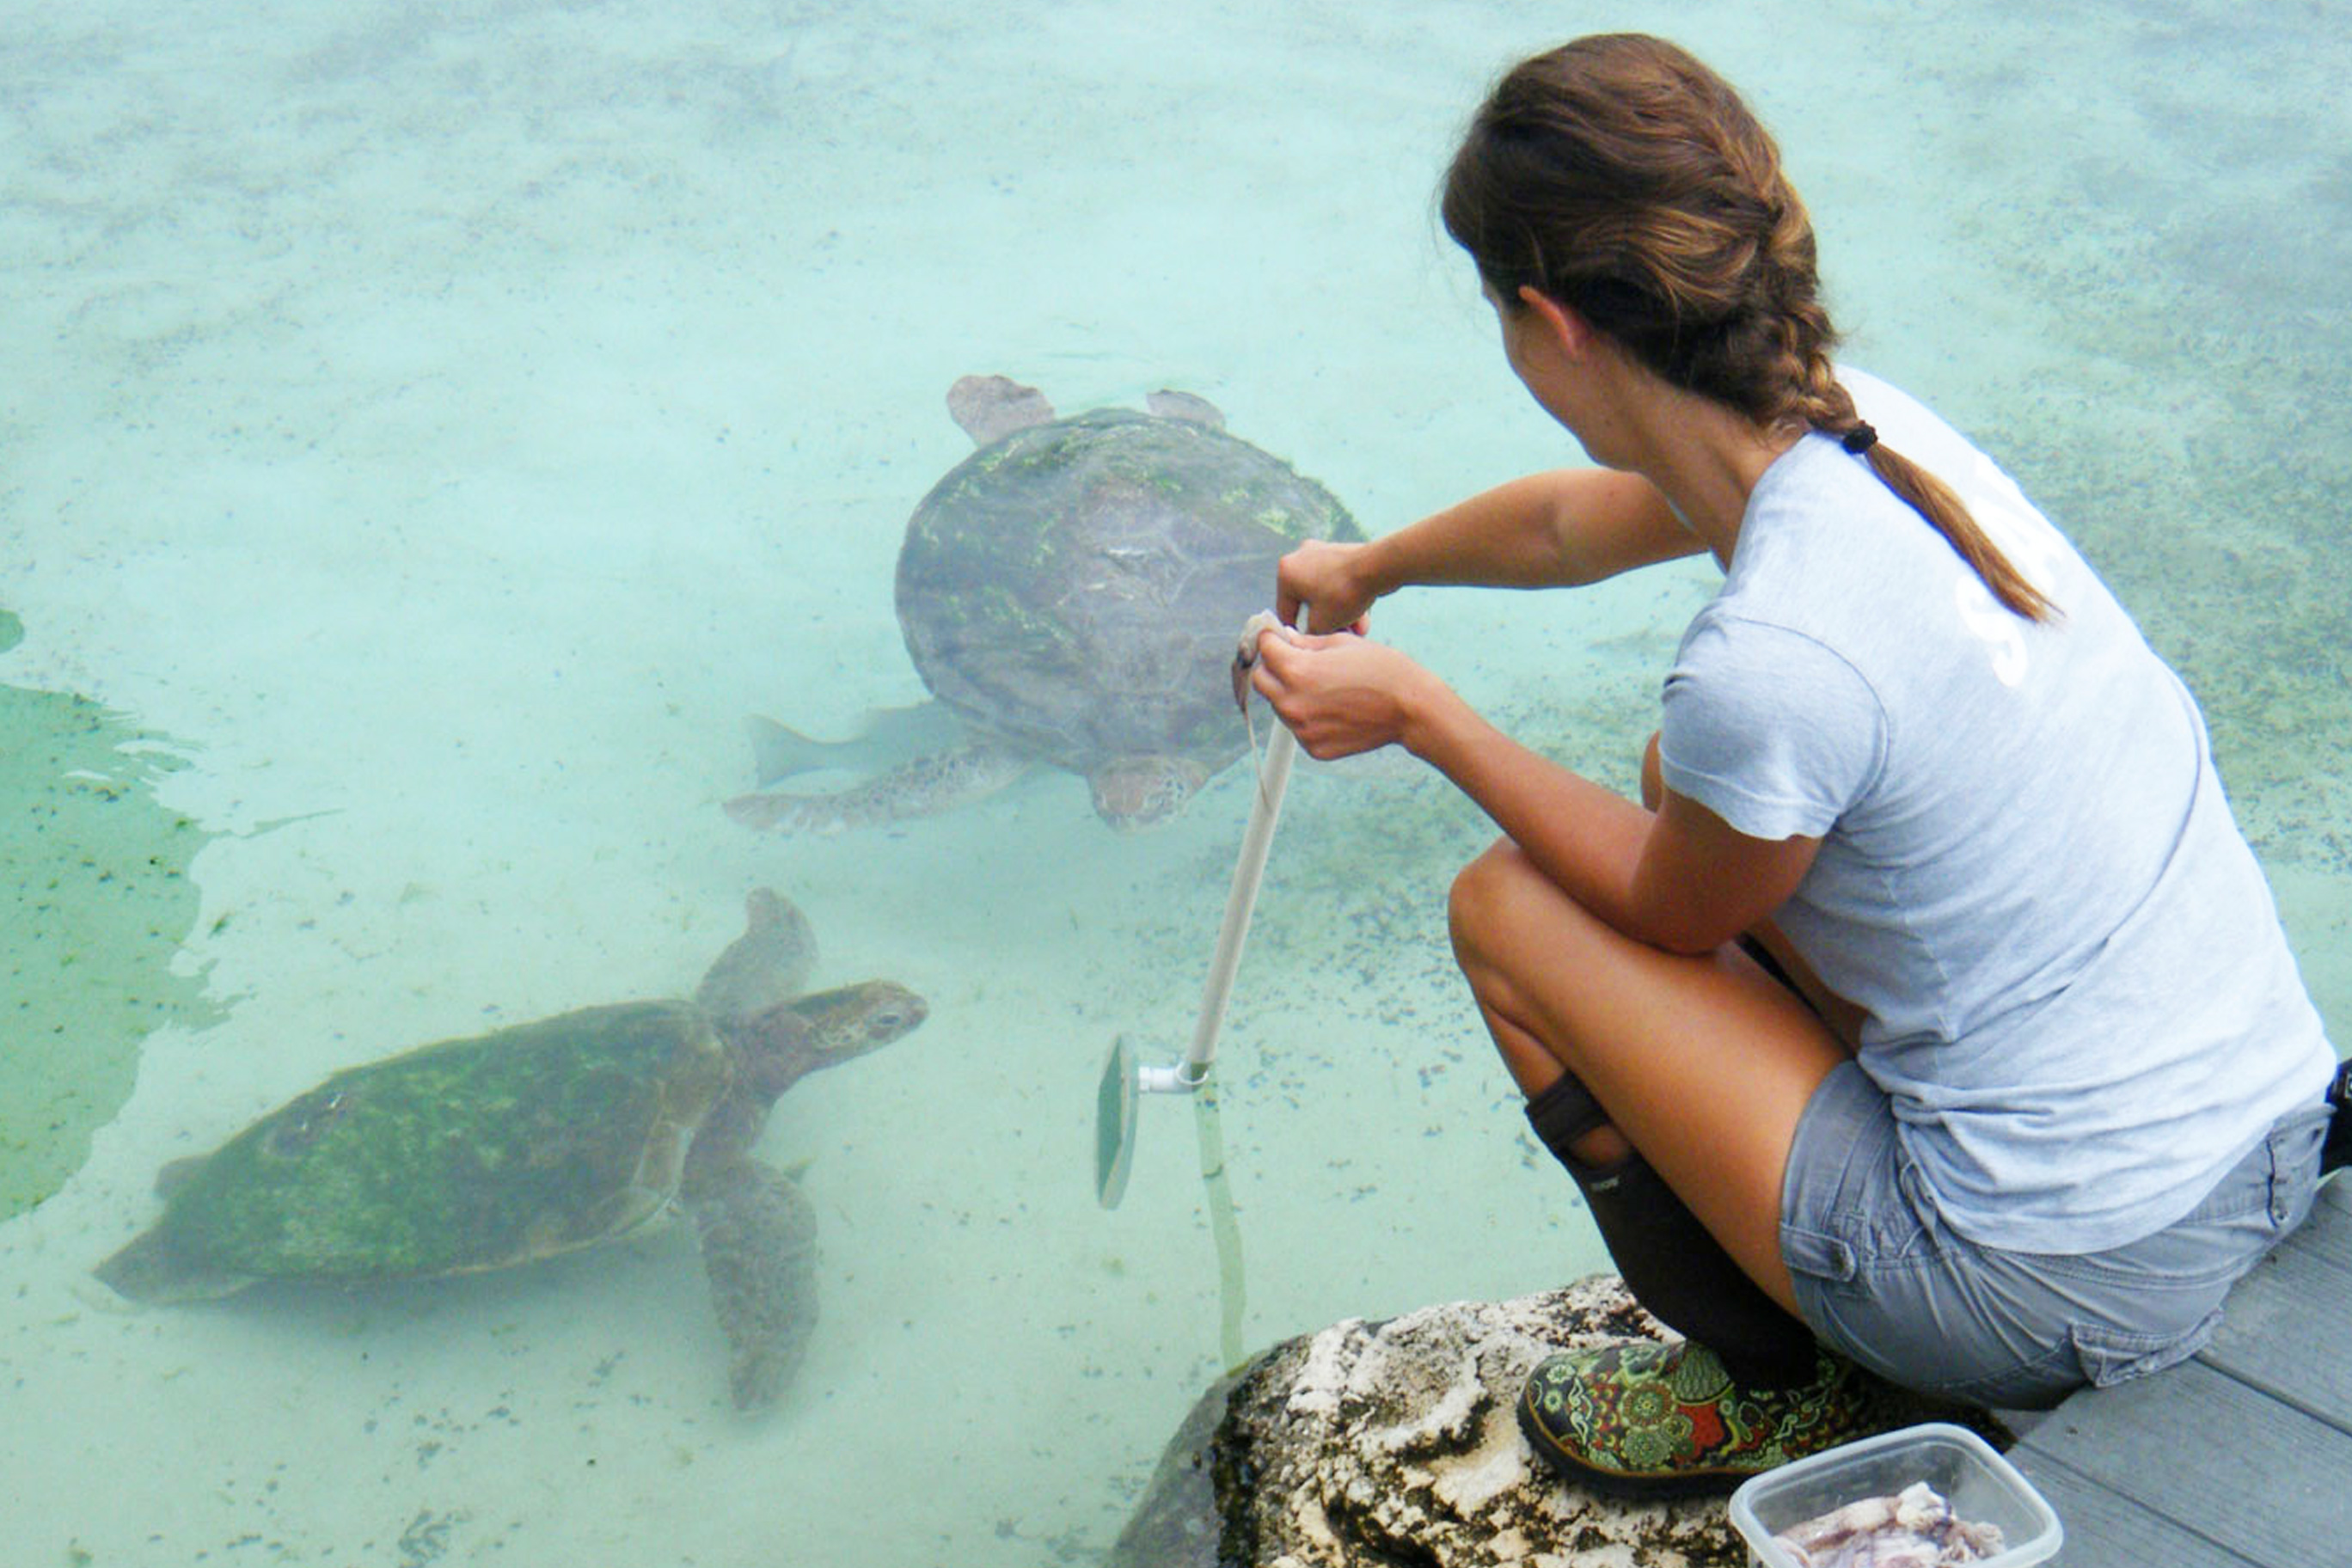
x: 1375, y: 1444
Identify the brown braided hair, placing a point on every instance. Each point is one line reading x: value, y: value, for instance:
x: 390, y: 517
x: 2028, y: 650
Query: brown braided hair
x: 1622, y: 178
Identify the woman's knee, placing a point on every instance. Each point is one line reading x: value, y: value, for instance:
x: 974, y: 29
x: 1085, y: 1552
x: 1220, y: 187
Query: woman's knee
x: 1475, y: 905
x: 1654, y: 775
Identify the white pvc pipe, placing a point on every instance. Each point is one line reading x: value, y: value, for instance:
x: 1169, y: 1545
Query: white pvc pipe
x: 1274, y: 778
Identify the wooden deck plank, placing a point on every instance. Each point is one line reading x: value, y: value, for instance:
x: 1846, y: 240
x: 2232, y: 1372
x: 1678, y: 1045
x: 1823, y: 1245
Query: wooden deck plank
x: 2287, y: 1330
x: 2215, y: 1457
x: 2106, y: 1529
x: 2329, y: 1228
x: 2238, y: 1460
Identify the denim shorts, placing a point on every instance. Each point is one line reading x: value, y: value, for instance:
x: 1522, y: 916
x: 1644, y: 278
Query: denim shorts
x: 1883, y: 1278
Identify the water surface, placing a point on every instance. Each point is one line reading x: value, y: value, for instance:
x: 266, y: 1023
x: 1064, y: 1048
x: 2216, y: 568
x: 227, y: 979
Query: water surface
x: 437, y: 426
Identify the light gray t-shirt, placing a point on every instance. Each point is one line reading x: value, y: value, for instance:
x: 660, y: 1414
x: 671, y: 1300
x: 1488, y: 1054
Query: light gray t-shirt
x: 2080, y: 1002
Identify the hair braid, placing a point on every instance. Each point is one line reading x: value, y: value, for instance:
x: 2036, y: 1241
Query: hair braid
x: 1622, y: 177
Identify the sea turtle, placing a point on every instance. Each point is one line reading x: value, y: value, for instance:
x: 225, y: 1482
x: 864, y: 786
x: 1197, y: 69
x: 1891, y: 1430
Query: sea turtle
x: 503, y: 1148
x: 1071, y: 592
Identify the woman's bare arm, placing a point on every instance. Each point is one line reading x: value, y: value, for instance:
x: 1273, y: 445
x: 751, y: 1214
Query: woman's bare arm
x: 1558, y: 529
x: 1680, y: 878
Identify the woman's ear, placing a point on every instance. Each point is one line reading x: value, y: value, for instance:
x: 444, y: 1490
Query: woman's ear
x: 1574, y: 333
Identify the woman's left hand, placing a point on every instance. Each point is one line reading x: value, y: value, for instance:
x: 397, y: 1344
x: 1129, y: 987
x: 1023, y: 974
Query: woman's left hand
x: 1343, y: 693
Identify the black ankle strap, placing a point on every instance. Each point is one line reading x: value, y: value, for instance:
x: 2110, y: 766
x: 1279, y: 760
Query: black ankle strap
x: 1564, y: 1113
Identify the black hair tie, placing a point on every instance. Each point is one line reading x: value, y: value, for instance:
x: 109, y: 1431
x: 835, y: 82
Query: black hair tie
x: 1860, y: 439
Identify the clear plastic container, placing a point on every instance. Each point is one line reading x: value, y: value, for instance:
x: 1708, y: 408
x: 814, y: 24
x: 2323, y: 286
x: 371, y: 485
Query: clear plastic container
x: 1982, y: 1487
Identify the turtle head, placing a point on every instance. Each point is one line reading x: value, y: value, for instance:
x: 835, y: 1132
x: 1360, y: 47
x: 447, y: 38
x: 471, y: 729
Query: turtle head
x: 781, y: 1044
x: 1140, y: 792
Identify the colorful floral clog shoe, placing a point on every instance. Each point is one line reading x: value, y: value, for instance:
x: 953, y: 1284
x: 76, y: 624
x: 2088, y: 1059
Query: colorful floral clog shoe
x: 1640, y: 1419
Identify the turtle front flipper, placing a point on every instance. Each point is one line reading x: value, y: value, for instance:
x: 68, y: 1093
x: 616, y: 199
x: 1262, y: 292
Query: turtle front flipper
x: 922, y: 787
x: 757, y: 1232
x: 767, y: 965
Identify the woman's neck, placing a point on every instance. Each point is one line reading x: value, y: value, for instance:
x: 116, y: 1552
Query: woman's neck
x: 1706, y: 459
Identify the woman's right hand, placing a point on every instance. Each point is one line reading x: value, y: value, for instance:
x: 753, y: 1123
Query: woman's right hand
x: 1328, y: 577
x: 1345, y: 694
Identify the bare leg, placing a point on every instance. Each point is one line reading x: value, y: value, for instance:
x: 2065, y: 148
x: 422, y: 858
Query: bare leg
x: 1671, y: 1085
x: 1704, y: 1064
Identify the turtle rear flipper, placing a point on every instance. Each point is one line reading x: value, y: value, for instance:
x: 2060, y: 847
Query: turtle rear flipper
x: 885, y: 738
x: 922, y: 787
x: 991, y: 407
x: 154, y: 1266
x: 757, y: 1232
x: 1186, y: 406
x: 175, y: 1173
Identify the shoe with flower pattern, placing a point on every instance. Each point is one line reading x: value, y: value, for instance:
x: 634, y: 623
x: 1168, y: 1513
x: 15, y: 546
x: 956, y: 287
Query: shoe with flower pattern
x: 1640, y: 1419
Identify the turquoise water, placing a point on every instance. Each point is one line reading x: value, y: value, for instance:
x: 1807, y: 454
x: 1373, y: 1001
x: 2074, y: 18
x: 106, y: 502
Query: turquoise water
x: 441, y: 424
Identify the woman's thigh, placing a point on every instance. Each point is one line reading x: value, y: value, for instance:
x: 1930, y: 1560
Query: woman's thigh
x: 1704, y: 1063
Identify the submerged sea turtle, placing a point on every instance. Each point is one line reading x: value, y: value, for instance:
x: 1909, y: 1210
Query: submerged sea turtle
x: 502, y: 1148
x: 1072, y: 593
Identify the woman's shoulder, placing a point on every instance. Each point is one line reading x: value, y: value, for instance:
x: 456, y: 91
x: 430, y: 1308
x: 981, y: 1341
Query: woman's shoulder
x: 1819, y: 516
